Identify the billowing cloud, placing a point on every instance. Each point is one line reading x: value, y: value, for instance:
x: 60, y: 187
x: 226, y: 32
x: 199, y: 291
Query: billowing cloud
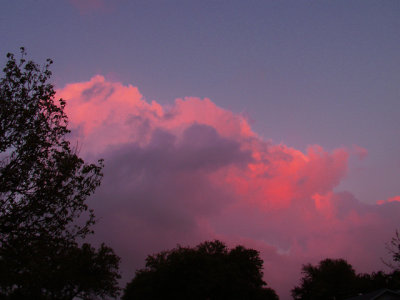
x: 194, y: 171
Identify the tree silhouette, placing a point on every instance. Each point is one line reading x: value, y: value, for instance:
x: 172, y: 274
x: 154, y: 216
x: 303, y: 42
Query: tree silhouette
x: 394, y: 249
x: 207, y: 271
x: 378, y: 280
x: 43, y: 188
x: 331, y: 279
x: 336, y: 279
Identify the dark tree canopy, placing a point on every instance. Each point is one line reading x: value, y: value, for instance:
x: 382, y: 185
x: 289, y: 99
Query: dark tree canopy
x: 207, y: 271
x: 377, y: 280
x: 330, y: 279
x: 336, y: 279
x: 43, y: 188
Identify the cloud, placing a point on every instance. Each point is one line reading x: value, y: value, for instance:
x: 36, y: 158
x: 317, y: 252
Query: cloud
x: 194, y: 171
x: 360, y: 152
x: 391, y: 199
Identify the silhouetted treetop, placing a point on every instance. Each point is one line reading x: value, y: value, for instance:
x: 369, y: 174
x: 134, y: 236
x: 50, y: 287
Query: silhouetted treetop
x: 336, y: 279
x: 208, y: 271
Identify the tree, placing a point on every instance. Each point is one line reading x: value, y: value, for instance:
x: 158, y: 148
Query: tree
x: 207, y: 271
x: 378, y: 280
x: 43, y: 188
x: 394, y: 249
x: 336, y: 279
x: 330, y: 279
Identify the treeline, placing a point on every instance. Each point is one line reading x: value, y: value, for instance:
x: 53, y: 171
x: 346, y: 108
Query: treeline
x: 211, y: 271
x: 336, y: 279
x: 44, y: 221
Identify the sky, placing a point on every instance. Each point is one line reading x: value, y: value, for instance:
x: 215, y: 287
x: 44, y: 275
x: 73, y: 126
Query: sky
x: 272, y: 124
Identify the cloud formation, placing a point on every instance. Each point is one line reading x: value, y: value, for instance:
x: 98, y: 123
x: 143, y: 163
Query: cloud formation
x: 391, y: 199
x: 194, y: 171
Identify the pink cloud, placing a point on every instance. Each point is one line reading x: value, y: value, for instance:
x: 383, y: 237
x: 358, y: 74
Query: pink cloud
x: 360, y: 152
x: 194, y: 171
x: 392, y: 199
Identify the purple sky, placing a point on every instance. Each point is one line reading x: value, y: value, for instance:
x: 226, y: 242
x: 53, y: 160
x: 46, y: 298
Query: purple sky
x: 300, y: 73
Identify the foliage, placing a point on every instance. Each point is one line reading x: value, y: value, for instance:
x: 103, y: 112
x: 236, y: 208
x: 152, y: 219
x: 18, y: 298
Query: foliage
x: 43, y: 183
x: 330, y: 279
x: 336, y: 279
x: 207, y: 271
x: 43, y: 188
x: 378, y: 280
x: 69, y: 271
